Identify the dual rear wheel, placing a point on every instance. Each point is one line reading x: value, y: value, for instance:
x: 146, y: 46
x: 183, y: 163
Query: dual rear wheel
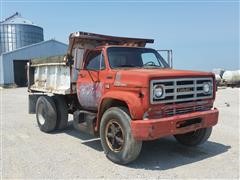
x: 51, y: 113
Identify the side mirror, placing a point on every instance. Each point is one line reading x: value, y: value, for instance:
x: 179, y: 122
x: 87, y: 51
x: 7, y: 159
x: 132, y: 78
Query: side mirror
x: 168, y: 56
x: 69, y: 60
x: 78, y: 58
x: 76, y: 62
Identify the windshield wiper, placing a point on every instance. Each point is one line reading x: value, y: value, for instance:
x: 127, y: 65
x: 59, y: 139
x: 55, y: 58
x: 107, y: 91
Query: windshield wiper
x: 128, y: 66
x: 152, y: 66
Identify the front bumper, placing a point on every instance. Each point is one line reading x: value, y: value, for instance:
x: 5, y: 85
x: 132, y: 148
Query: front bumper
x: 155, y: 128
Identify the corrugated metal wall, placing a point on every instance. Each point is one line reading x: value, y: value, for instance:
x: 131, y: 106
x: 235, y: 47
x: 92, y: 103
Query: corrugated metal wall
x: 1, y: 70
x: 42, y: 49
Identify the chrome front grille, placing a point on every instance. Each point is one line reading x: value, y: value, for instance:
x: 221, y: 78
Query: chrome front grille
x: 181, y: 90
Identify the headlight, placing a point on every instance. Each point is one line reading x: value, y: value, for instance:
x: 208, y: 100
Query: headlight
x: 158, y: 92
x: 206, y: 88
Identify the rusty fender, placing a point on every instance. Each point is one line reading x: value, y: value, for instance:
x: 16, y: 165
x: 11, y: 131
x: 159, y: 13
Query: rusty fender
x: 132, y: 99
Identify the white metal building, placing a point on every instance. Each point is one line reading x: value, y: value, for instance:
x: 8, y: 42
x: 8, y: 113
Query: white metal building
x: 13, y: 63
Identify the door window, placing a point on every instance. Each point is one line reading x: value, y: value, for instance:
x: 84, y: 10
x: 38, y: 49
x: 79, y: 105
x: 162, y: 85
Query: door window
x: 95, y: 60
x: 150, y: 59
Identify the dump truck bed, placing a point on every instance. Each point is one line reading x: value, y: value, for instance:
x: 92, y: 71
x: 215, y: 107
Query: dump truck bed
x: 50, y: 75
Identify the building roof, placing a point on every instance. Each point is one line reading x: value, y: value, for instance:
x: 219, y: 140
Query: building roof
x: 36, y: 44
x: 17, y: 19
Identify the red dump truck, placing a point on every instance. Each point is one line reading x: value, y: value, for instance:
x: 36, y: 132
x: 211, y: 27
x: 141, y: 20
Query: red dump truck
x: 118, y: 89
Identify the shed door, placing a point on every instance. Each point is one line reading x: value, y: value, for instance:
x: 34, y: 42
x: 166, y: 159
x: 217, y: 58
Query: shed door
x: 20, y: 72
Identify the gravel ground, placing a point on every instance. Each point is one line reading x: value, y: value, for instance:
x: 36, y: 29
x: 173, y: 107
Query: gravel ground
x: 29, y: 153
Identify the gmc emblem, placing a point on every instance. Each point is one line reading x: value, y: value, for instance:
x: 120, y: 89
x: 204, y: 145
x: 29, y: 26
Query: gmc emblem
x: 184, y: 89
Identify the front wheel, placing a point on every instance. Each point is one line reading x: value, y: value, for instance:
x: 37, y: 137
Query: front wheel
x: 117, y: 141
x: 194, y: 138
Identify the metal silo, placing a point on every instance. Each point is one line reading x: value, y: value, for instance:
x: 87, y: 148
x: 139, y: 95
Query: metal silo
x: 16, y: 32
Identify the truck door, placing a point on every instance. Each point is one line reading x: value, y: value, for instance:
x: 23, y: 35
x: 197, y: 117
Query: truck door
x: 90, y: 80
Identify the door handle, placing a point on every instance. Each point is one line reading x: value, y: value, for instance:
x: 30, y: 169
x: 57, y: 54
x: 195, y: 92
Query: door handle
x: 109, y: 77
x: 82, y: 75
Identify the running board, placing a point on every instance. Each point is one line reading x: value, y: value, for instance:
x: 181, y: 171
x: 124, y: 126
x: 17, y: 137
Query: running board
x: 84, y: 121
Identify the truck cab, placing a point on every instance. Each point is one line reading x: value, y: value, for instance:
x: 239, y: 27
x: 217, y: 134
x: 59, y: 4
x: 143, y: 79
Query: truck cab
x: 118, y: 89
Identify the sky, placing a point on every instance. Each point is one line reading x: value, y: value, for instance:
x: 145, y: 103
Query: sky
x: 202, y: 34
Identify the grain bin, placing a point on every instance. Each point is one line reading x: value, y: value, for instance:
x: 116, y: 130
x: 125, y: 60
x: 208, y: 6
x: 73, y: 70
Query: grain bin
x: 17, y: 32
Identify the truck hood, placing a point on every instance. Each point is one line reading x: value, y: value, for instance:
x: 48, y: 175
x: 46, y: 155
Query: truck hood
x: 141, y: 77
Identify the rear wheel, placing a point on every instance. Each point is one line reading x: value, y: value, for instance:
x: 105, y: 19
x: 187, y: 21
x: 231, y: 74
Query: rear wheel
x: 46, y: 114
x: 194, y: 138
x: 62, y: 112
x: 118, y: 143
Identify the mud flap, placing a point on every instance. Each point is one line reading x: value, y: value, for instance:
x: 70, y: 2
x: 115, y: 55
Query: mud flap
x: 32, y: 100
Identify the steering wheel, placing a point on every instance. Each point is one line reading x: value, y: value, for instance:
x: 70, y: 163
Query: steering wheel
x: 151, y: 63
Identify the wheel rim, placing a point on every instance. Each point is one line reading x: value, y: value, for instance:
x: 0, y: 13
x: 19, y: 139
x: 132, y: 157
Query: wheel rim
x: 41, y: 114
x: 114, y: 135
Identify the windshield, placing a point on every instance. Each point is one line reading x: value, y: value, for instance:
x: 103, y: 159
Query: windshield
x: 128, y: 57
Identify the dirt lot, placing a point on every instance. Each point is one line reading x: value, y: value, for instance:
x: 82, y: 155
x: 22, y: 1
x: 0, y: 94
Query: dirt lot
x: 29, y: 153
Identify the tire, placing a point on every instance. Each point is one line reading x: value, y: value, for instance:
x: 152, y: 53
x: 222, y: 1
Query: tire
x: 194, y: 138
x: 62, y: 112
x: 124, y: 148
x: 46, y: 114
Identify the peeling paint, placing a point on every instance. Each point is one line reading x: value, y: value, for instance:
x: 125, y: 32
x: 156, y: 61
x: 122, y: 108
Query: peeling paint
x: 89, y: 94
